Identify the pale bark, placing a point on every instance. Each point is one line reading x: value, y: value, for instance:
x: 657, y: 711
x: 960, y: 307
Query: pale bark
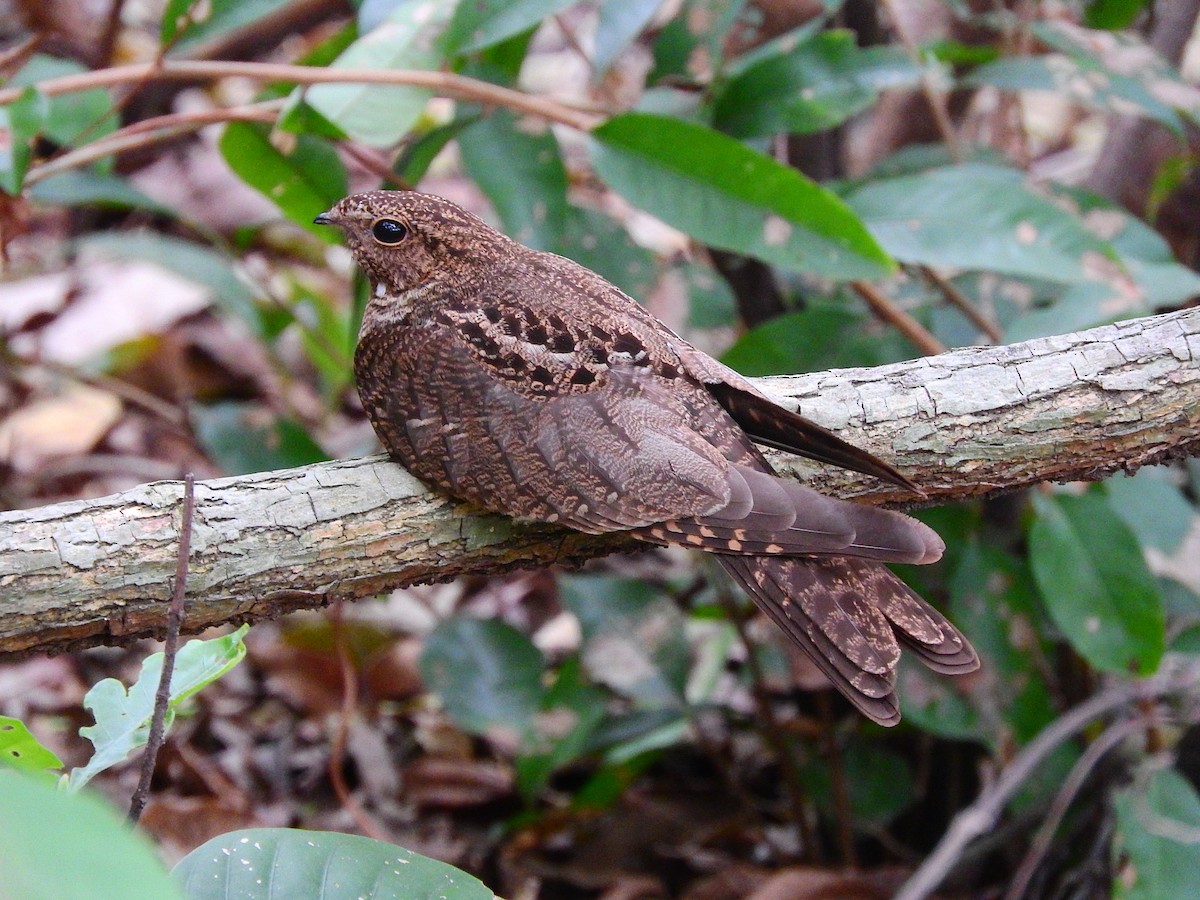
x: 961, y: 424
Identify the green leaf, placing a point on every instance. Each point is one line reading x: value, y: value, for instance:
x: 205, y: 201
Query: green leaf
x: 1156, y: 847
x: 191, y: 22
x: 1089, y: 85
x: 880, y: 784
x: 84, y: 187
x: 977, y: 216
x: 264, y: 863
x: 418, y: 154
x: 595, y: 240
x: 243, y: 438
x: 123, y: 717
x: 691, y: 45
x: 20, y: 750
x: 1091, y: 574
x: 1152, y: 506
x: 529, y: 190
x: 201, y: 264
x: 620, y: 22
x: 306, y: 180
x: 54, y: 844
x: 72, y: 118
x: 488, y: 675
x: 20, y: 122
x: 817, y: 85
x: 1113, y: 14
x: 380, y: 114
x: 725, y: 194
x: 481, y: 23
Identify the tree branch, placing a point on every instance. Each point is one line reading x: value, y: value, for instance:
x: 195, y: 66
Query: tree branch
x: 962, y: 424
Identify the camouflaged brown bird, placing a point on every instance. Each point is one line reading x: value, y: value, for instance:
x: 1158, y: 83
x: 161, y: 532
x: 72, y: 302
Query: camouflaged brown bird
x: 528, y: 385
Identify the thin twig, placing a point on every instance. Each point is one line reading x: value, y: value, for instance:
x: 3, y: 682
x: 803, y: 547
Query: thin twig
x: 449, y: 84
x: 981, y: 815
x: 162, y: 696
x: 839, y: 788
x: 885, y: 309
x: 341, y: 735
x: 16, y: 57
x: 1079, y: 773
x: 963, y: 303
x: 935, y: 99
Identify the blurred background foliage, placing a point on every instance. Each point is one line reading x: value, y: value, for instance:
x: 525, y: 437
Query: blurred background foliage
x: 764, y: 176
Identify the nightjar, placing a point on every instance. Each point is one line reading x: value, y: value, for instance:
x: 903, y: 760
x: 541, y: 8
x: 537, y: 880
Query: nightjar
x: 529, y: 385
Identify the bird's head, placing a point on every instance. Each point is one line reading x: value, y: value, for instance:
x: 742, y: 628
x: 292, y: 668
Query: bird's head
x: 401, y: 239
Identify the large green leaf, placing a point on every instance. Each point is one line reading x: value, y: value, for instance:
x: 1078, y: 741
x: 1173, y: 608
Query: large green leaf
x: 977, y: 216
x: 54, y: 844
x: 277, y: 863
x: 380, y: 114
x: 529, y: 190
x: 482, y: 23
x: 1091, y: 574
x: 814, y: 86
x: 1156, y: 848
x: 723, y: 193
x: 488, y: 675
x: 84, y: 187
x: 304, y: 181
x: 123, y: 716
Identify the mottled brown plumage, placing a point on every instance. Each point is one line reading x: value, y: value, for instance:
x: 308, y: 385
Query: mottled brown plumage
x: 529, y: 385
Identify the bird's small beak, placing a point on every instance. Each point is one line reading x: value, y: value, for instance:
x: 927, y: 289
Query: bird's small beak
x: 324, y: 219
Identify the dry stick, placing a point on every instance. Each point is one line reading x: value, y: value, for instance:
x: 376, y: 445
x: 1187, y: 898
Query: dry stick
x: 1091, y: 757
x: 170, y: 647
x: 450, y: 84
x: 885, y: 309
x: 337, y: 752
x: 982, y: 814
x: 936, y: 100
x: 963, y: 303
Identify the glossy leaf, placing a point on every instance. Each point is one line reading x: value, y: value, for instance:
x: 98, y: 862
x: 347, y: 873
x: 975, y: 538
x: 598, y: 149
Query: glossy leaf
x: 1156, y: 847
x: 530, y: 190
x: 123, y: 716
x: 488, y: 676
x: 482, y: 23
x: 20, y: 750
x: 273, y: 863
x: 54, y: 844
x: 977, y: 216
x: 304, y: 181
x: 1095, y: 583
x: 380, y: 114
x: 721, y: 192
x: 815, y: 86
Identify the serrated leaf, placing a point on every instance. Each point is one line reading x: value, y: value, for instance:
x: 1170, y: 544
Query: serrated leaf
x: 20, y: 750
x: 1156, y: 847
x: 529, y: 190
x: 482, y: 23
x: 814, y: 86
x: 723, y: 193
x: 265, y: 863
x: 381, y: 114
x: 1095, y: 583
x: 123, y: 716
x: 977, y: 216
x: 303, y: 182
x: 488, y: 675
x: 54, y: 844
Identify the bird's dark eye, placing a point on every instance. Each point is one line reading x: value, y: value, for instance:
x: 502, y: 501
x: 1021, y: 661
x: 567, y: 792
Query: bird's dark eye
x: 389, y: 231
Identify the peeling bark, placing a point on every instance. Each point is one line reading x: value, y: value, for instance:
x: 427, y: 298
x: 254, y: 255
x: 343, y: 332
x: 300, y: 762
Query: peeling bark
x: 962, y: 424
